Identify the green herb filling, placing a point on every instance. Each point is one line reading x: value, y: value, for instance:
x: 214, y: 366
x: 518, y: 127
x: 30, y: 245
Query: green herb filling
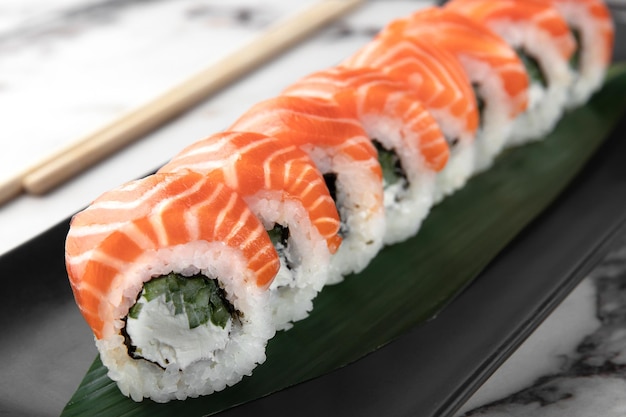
x: 574, y: 61
x: 198, y: 297
x: 279, y: 235
x: 393, y: 173
x: 535, y: 73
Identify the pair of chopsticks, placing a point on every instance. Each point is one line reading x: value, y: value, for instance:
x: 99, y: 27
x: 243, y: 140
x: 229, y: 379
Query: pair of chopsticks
x: 80, y: 155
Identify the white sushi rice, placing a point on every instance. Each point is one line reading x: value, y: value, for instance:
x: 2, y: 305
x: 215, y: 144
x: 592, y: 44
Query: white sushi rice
x: 407, y: 205
x: 545, y: 104
x: 461, y: 161
x: 459, y: 168
x: 593, y: 67
x: 496, y: 119
x: 545, y: 109
x: 304, y: 261
x: 359, y: 200
x: 235, y: 352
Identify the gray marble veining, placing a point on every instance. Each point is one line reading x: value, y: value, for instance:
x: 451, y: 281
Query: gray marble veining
x: 592, y: 378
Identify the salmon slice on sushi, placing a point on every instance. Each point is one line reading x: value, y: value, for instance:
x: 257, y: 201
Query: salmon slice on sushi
x: 411, y: 147
x: 285, y: 190
x: 496, y: 72
x: 171, y: 272
x: 592, y: 26
x: 439, y: 82
x: 543, y: 41
x: 344, y: 154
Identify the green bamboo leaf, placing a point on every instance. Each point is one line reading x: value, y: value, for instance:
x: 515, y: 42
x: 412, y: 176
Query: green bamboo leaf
x: 407, y: 283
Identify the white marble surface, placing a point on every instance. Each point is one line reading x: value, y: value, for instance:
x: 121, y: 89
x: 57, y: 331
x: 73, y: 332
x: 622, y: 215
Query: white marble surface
x: 546, y: 351
x: 587, y: 376
x: 69, y: 66
x: 72, y: 73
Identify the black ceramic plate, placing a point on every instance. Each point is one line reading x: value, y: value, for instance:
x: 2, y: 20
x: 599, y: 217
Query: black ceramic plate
x: 46, y: 347
x: 428, y: 372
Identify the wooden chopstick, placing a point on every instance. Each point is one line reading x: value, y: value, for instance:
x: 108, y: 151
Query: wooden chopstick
x: 78, y: 156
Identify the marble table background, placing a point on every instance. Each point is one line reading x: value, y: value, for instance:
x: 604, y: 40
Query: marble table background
x: 577, y: 357
x: 68, y: 67
x: 67, y: 70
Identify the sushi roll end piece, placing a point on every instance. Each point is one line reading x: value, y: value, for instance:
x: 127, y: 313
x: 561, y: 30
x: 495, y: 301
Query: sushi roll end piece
x: 171, y: 273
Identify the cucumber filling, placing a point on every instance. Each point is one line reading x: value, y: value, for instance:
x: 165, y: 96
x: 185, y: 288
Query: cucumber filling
x: 179, y: 319
x: 279, y: 235
x: 535, y: 73
x: 574, y: 61
x: 285, y: 280
x: 395, y: 182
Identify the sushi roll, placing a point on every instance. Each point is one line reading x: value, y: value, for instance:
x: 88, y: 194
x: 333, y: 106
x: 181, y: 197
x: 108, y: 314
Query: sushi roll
x: 438, y: 80
x: 411, y: 148
x: 545, y: 45
x: 171, y: 273
x: 344, y: 154
x: 592, y: 26
x: 185, y: 275
x: 284, y: 189
x: 497, y: 74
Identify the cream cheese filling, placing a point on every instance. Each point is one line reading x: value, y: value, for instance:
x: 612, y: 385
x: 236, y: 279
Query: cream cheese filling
x: 161, y: 336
